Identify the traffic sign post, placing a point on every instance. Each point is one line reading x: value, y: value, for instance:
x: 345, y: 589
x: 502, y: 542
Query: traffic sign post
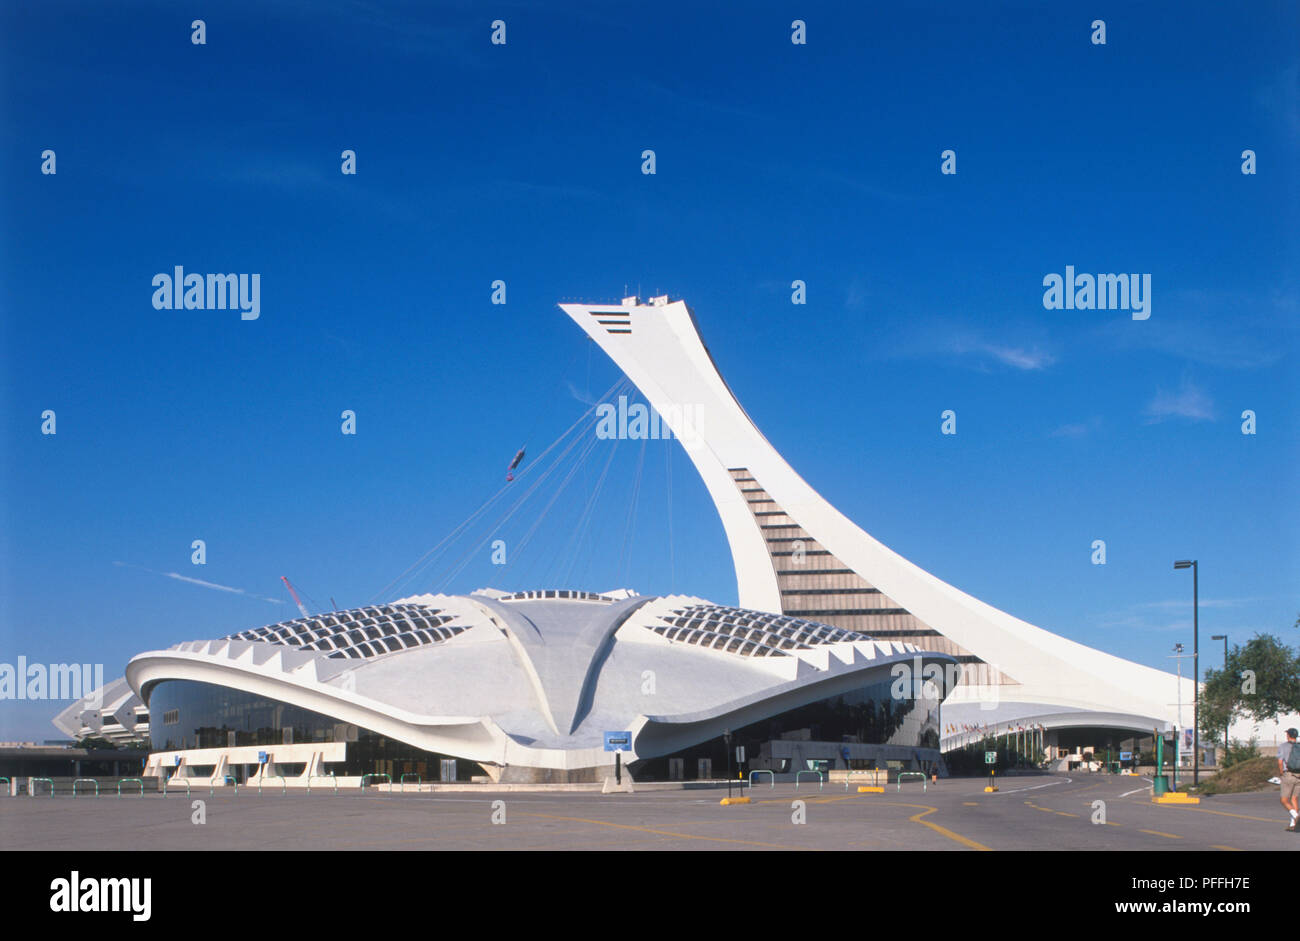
x: 991, y: 759
x: 618, y: 742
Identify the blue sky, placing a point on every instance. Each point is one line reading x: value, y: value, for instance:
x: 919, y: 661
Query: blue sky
x: 522, y: 163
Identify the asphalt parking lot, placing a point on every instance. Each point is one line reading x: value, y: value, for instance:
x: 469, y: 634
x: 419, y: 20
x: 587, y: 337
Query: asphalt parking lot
x: 1047, y: 812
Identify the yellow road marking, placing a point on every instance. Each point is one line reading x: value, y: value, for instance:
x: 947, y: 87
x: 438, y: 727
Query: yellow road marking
x: 944, y: 831
x: 680, y: 836
x: 970, y: 804
x: 1221, y: 813
x: 1234, y: 849
x: 808, y: 800
x: 1172, y: 836
x: 1064, y: 814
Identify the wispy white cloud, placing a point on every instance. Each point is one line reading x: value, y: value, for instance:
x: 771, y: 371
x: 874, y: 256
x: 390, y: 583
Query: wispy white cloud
x: 1078, y: 429
x: 1020, y: 345
x: 1223, y: 328
x: 1167, y: 617
x: 583, y: 397
x: 1031, y: 358
x: 1188, y: 402
x: 1175, y: 604
x: 201, y: 583
x: 860, y: 185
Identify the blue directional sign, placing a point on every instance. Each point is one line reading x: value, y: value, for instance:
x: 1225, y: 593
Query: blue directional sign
x: 1126, y: 756
x: 618, y: 741
x: 178, y: 760
x: 261, y: 758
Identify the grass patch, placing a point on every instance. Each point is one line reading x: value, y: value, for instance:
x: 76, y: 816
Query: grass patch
x: 1249, y: 775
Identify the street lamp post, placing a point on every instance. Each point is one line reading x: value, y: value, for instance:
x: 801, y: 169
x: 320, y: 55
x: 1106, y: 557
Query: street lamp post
x: 1196, y: 668
x: 726, y: 743
x: 1226, y: 722
x: 1178, y: 729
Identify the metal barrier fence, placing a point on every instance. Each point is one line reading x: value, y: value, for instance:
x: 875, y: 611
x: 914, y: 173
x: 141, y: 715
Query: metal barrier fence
x: 821, y: 782
x: 410, y: 774
x: 330, y: 776
x: 185, y: 781
x: 284, y: 785
x: 378, y: 775
x: 912, y: 774
x: 91, y: 780
x: 762, y: 771
x: 212, y: 788
x: 848, y: 778
x: 128, y: 781
x: 8, y: 784
x: 31, y: 786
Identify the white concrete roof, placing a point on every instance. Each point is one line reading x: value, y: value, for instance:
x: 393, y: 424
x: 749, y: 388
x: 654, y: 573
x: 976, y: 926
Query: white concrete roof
x: 536, y: 681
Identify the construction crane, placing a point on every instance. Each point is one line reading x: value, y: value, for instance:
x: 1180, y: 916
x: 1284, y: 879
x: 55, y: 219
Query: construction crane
x: 296, y: 599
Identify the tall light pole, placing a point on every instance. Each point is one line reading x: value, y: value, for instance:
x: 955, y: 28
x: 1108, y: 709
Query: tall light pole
x: 1196, y: 668
x: 1226, y: 722
x: 1178, y: 729
x: 726, y: 744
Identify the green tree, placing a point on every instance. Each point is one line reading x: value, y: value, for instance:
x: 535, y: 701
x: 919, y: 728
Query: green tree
x: 1241, y: 751
x: 1260, y: 679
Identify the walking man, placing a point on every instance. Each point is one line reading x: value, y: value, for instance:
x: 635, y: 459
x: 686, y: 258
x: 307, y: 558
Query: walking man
x: 1288, y: 767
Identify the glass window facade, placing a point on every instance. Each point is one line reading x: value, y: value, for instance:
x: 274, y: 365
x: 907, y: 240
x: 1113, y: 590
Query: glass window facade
x: 869, y: 715
x: 212, y: 716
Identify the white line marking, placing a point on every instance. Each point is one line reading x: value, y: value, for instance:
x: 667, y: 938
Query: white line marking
x: 1034, y: 787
